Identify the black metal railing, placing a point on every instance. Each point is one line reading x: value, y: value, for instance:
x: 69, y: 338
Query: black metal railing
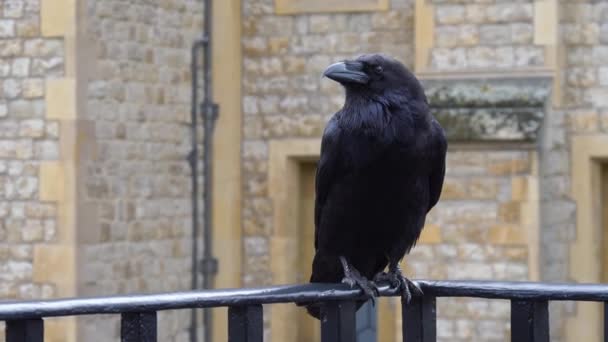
x: 529, y: 309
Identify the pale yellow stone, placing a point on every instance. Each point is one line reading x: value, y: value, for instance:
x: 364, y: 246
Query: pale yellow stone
x: 52, y: 178
x: 585, y: 266
x: 60, y: 329
x: 227, y: 229
x: 506, y: 234
x: 519, y: 188
x: 509, y: 167
x: 545, y: 22
x: 453, y: 189
x: 61, y: 98
x: 431, y: 234
x: 57, y: 17
x: 424, y: 29
x: 509, y: 212
x: 48, y: 259
x: 331, y: 6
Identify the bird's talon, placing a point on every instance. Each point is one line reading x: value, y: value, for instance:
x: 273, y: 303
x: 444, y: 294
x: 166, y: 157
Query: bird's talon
x: 348, y: 282
x: 406, y: 295
x: 396, y: 279
x: 413, y: 287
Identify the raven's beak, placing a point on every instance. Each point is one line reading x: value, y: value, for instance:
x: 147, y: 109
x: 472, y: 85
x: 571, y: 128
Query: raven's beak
x: 347, y: 72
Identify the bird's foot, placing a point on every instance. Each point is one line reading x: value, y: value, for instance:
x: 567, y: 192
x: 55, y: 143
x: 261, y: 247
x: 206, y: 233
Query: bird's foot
x: 398, y: 280
x: 353, y: 278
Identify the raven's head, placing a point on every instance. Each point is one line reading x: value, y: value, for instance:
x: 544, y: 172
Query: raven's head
x: 376, y: 76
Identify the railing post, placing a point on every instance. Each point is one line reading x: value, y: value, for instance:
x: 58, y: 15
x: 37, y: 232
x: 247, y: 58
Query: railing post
x: 338, y: 321
x: 245, y: 323
x: 529, y: 321
x: 605, y: 321
x: 138, y: 327
x: 27, y: 330
x: 419, y: 319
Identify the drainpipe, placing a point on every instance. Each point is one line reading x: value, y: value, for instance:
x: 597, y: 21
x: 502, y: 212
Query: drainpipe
x: 208, y: 266
x: 193, y: 162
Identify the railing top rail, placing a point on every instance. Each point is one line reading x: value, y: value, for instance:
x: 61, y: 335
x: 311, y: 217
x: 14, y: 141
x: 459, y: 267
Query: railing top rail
x: 293, y: 293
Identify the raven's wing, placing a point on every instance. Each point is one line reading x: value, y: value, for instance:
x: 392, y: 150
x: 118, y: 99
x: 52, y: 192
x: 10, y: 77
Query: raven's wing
x: 437, y: 164
x: 330, y: 167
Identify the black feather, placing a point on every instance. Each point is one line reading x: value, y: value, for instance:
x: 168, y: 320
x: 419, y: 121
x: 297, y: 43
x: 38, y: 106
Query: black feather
x: 380, y: 171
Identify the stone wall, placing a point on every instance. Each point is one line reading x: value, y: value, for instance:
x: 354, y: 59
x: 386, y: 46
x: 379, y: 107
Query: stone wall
x: 480, y: 229
x: 27, y: 139
x: 583, y: 111
x: 285, y: 97
x: 490, y: 34
x: 138, y: 95
x: 483, y: 235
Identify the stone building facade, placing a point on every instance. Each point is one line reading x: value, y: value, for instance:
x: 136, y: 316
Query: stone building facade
x: 508, y: 209
x: 29, y: 220
x: 95, y: 107
x: 94, y: 113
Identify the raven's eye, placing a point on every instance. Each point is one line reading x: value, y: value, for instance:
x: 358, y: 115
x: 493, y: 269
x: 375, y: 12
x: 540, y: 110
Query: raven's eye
x: 378, y: 69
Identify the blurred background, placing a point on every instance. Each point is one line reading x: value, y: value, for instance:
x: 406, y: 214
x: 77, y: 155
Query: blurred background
x: 95, y: 130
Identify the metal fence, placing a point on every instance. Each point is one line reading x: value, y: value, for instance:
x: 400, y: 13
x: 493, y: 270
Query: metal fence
x: 529, y: 309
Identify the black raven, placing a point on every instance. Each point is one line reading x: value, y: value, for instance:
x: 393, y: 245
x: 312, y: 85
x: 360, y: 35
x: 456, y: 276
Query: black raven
x: 381, y: 170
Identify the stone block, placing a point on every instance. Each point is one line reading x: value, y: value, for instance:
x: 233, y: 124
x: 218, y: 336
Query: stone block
x: 495, y: 35
x: 450, y: 14
x: 43, y: 48
x: 453, y: 188
x: 431, y: 234
x: 52, y: 178
x: 7, y: 28
x: 33, y: 128
x: 603, y: 74
x: 509, y: 212
x: 57, y: 17
x: 510, y: 167
x: 519, y: 188
x: 12, y: 88
x: 582, y: 121
x: 510, y: 12
x: 10, y: 47
x: 28, y: 27
x: 33, y: 88
x: 507, y: 234
x: 476, y: 13
x: 522, y: 33
x: 60, y: 98
x: 14, y: 8
x: 20, y: 67
x: 482, y: 188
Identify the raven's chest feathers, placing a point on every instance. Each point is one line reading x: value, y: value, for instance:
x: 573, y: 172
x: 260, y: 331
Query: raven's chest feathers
x: 383, y: 189
x: 374, y: 134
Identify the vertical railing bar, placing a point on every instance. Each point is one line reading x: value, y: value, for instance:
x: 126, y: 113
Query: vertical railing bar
x: 541, y: 321
x: 246, y: 323
x: 419, y: 319
x: 605, y: 321
x: 27, y: 330
x: 338, y: 321
x: 138, y: 327
x: 529, y: 321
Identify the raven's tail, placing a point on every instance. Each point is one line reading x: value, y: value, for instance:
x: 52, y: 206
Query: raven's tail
x: 325, y: 269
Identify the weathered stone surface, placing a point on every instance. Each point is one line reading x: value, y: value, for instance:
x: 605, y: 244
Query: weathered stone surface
x: 24, y: 219
x: 489, y: 110
x: 138, y: 103
x: 138, y: 100
x: 491, y: 29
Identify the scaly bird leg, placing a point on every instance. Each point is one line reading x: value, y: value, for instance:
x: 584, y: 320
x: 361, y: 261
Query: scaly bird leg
x: 396, y: 278
x: 353, y: 278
